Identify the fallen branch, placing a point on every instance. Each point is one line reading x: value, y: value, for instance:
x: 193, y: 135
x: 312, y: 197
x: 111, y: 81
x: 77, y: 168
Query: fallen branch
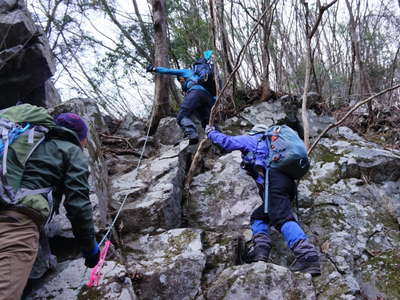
x: 124, y: 152
x: 201, y: 149
x: 336, y: 124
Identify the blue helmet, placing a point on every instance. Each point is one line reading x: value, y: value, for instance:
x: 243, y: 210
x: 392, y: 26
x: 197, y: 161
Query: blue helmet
x: 207, y: 54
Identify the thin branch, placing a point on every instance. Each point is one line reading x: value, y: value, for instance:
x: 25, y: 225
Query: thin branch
x: 125, y: 33
x: 321, y: 12
x: 336, y: 124
x: 236, y: 67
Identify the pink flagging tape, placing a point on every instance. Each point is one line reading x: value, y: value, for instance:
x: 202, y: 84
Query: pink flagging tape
x: 95, y: 274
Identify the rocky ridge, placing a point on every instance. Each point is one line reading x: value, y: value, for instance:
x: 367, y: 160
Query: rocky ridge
x: 172, y: 243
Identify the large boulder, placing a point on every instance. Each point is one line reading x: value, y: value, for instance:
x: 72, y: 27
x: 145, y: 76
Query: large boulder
x: 70, y: 278
x: 261, y: 281
x: 168, y: 131
x: 153, y: 192
x: 350, y: 205
x: 171, y: 264
x: 25, y: 58
x: 223, y: 196
x: 8, y: 5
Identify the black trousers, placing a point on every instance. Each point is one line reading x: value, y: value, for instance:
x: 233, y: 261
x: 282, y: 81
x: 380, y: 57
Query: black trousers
x: 281, y: 191
x: 198, y: 103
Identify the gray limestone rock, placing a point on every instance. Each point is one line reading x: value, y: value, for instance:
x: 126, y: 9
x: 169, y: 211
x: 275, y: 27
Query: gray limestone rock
x: 153, y: 192
x: 171, y: 264
x: 261, y: 281
x: 8, y: 5
x: 69, y: 282
x: 16, y: 28
x: 223, y: 196
x: 25, y: 58
x: 52, y: 96
x: 264, y: 113
x: 168, y: 131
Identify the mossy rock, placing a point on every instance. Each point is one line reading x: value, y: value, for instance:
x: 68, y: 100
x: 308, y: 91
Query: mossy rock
x: 322, y: 153
x: 384, y: 270
x: 87, y: 293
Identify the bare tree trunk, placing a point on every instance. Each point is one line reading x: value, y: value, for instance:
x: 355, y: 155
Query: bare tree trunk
x: 304, y: 114
x: 310, y: 32
x: 364, y: 86
x: 147, y: 38
x: 266, y: 92
x: 223, y: 66
x: 161, y: 93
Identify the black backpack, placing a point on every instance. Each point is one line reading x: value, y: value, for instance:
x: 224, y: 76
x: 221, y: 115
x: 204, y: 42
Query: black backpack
x: 205, y: 70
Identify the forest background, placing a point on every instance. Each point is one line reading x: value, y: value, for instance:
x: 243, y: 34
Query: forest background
x: 343, y: 50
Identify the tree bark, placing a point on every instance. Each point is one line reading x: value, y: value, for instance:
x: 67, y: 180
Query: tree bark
x: 364, y: 85
x: 223, y: 66
x: 266, y: 91
x: 310, y: 32
x: 161, y: 90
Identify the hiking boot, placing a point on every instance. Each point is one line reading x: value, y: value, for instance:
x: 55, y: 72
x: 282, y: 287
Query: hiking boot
x: 261, y: 248
x: 308, y: 265
x: 192, y: 137
x: 189, y: 130
x: 194, y: 140
x: 307, y: 258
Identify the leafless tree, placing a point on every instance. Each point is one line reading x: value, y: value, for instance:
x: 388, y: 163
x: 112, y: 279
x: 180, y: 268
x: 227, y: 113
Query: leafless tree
x: 310, y: 32
x: 161, y: 91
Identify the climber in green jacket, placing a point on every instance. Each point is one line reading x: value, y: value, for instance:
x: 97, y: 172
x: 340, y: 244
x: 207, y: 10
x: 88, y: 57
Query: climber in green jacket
x: 59, y: 163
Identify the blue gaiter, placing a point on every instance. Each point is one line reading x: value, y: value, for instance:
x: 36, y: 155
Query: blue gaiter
x: 258, y: 226
x: 292, y: 233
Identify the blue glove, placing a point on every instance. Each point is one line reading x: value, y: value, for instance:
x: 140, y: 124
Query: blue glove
x: 92, y: 257
x: 150, y: 68
x: 209, y: 129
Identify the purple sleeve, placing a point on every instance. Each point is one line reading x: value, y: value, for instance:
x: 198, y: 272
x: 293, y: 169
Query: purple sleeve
x: 231, y: 143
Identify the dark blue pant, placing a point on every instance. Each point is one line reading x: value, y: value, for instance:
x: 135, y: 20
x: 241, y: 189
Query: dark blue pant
x: 198, y: 103
x: 281, y: 191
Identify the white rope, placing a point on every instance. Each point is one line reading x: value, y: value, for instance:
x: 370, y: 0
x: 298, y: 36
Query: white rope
x: 126, y: 196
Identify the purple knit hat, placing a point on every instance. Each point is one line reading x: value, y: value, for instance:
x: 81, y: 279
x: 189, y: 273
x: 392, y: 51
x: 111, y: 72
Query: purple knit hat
x: 73, y: 122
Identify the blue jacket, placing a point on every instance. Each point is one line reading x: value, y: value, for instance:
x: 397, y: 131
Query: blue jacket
x: 191, y: 79
x: 247, y: 144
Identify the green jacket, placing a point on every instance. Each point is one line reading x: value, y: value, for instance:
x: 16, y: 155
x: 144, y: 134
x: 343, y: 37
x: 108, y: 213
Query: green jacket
x: 60, y: 163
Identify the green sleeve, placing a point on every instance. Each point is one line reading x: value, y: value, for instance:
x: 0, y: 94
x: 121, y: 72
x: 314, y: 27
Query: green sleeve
x: 77, y: 201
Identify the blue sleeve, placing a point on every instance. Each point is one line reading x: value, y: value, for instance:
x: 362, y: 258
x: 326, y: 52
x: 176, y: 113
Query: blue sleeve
x: 231, y: 143
x: 167, y: 71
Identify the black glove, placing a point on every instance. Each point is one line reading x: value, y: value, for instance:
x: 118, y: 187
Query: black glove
x: 150, y: 68
x: 92, y: 257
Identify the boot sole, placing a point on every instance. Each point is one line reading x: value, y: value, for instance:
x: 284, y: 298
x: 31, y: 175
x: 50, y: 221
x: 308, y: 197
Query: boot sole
x: 312, y: 270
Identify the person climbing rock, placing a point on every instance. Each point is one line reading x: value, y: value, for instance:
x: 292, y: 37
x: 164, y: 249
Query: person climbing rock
x: 281, y: 189
x: 198, y: 85
x: 56, y: 167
